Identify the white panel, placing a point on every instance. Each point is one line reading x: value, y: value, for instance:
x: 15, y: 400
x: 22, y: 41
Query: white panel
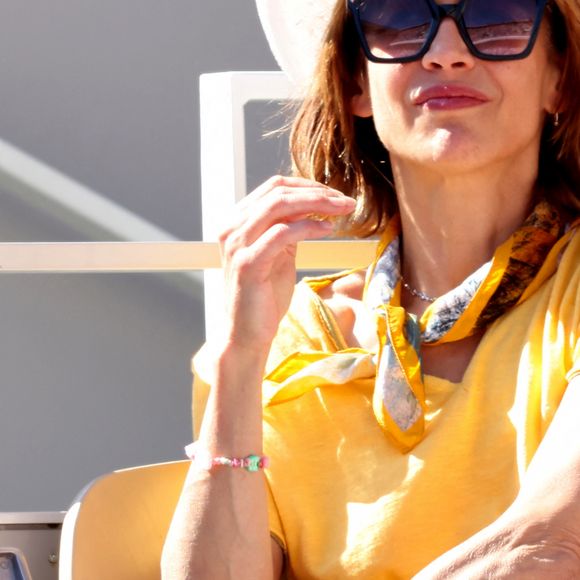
x: 223, y: 159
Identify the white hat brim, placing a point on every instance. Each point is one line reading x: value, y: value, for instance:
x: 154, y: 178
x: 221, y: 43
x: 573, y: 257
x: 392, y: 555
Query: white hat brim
x: 294, y: 30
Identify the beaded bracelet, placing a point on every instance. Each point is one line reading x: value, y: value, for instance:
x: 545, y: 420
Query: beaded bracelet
x: 204, y: 460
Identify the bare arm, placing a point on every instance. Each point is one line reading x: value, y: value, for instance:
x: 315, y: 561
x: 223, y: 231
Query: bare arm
x: 539, y: 535
x: 220, y: 527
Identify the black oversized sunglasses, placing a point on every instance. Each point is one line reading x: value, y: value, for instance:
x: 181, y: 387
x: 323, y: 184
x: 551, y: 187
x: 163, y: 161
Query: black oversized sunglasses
x: 394, y: 31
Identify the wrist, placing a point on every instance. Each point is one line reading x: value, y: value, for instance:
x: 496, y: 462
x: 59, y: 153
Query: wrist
x: 225, y: 349
x: 204, y: 460
x: 240, y: 367
x: 232, y: 422
x: 228, y: 364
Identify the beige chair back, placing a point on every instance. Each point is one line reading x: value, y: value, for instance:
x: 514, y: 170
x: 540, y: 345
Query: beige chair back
x: 116, y: 527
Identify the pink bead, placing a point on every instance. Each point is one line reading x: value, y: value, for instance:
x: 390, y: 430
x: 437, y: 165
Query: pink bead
x: 204, y: 460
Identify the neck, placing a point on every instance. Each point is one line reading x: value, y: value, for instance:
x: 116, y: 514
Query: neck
x: 452, y: 224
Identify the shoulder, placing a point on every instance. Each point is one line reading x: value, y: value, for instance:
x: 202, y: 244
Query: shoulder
x: 566, y: 287
x: 562, y: 321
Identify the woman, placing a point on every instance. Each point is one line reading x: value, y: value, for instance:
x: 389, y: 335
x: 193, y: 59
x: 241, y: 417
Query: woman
x: 420, y: 417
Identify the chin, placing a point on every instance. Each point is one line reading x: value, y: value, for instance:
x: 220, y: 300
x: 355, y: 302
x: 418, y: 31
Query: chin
x: 449, y: 148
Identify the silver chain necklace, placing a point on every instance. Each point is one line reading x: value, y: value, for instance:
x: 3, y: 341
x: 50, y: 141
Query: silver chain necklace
x: 418, y: 293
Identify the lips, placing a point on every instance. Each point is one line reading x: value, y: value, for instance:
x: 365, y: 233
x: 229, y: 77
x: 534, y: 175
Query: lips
x: 449, y: 96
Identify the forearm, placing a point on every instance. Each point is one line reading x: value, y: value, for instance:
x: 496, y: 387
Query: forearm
x: 220, y: 528
x: 539, y: 534
x: 508, y: 548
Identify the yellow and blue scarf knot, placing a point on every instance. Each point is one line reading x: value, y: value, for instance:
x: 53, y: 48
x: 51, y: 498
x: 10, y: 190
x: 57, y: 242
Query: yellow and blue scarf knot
x: 518, y: 267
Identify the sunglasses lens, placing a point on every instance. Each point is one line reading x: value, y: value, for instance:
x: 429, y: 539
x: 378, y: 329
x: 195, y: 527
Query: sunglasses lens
x: 395, y: 28
x: 500, y: 27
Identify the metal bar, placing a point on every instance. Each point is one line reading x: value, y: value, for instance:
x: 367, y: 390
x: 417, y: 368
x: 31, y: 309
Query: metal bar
x: 164, y: 256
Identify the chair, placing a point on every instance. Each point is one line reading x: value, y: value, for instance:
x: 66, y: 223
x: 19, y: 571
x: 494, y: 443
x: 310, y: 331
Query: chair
x: 116, y: 527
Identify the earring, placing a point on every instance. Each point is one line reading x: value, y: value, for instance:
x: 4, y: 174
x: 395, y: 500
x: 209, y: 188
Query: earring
x: 556, y: 120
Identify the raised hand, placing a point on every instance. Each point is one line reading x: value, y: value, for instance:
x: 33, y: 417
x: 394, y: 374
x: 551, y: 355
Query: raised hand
x: 259, y: 248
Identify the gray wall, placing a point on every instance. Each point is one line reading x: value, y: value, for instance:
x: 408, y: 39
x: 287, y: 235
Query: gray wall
x: 95, y: 368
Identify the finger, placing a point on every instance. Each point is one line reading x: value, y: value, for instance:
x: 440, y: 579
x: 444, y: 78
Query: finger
x: 281, y: 182
x: 276, y: 185
x: 286, y: 205
x: 285, y: 209
x: 255, y: 262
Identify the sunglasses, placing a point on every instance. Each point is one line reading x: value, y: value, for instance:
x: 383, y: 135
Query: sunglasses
x: 393, y: 31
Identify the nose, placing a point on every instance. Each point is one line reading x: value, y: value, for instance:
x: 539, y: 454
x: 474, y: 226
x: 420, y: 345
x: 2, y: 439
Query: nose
x: 448, y: 50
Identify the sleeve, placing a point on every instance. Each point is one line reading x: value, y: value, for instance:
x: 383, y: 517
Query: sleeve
x: 276, y: 528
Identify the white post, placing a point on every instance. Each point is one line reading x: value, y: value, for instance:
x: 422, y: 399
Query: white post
x: 223, y: 159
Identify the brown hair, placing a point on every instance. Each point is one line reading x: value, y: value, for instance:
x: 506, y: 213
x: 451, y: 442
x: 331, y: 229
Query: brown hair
x: 329, y: 144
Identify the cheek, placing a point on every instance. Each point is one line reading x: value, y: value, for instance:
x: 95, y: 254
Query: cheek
x: 388, y: 83
x: 529, y: 97
x: 539, y: 77
x: 389, y: 96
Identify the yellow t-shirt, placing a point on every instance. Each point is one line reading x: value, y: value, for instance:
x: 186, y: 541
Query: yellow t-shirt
x: 345, y: 503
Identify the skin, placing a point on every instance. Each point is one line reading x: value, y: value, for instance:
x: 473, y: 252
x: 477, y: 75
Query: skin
x: 445, y: 161
x: 220, y: 528
x: 483, y: 157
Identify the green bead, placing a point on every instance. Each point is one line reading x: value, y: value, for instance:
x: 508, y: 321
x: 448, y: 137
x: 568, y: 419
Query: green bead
x: 253, y: 462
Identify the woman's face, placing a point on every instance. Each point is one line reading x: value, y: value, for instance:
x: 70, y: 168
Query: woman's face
x: 454, y: 112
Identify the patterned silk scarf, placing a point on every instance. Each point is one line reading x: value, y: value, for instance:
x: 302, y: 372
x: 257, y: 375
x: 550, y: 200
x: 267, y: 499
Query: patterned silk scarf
x: 518, y: 268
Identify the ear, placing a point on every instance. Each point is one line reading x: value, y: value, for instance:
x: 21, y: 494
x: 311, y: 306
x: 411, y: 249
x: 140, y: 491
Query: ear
x: 360, y: 103
x: 552, y: 90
